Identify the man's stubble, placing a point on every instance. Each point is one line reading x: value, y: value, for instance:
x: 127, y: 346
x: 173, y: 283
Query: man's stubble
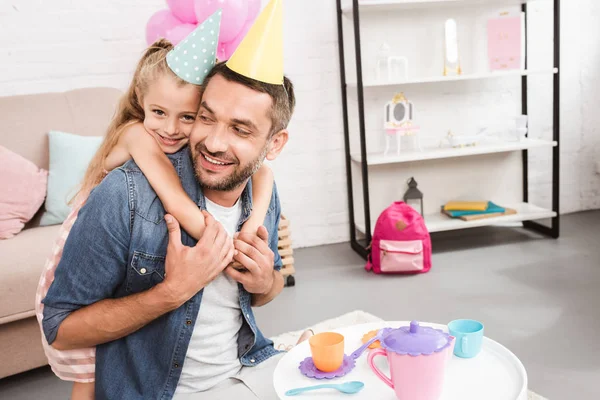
x: 239, y: 176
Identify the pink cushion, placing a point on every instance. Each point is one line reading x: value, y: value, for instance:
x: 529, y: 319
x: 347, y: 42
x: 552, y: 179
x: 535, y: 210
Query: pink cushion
x: 23, y: 191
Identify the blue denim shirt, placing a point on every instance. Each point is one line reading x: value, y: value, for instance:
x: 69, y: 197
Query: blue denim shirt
x: 117, y: 247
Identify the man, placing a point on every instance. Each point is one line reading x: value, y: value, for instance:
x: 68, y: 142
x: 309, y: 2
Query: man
x: 165, y: 319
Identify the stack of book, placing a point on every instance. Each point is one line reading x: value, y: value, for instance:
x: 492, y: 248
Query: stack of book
x: 471, y: 210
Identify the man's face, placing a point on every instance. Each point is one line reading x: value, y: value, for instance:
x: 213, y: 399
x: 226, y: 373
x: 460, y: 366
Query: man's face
x: 230, y: 138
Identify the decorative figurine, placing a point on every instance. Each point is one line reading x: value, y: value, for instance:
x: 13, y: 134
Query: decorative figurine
x: 398, y: 115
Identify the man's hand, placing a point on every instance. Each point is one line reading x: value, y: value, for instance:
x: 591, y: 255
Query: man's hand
x: 254, y: 253
x: 189, y: 269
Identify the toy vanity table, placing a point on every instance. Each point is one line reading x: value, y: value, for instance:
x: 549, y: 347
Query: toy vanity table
x: 398, y: 122
x: 494, y: 374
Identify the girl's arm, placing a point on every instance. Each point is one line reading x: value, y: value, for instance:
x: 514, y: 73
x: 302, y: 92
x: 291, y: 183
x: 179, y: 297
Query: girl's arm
x: 262, y: 190
x: 159, y: 171
x: 118, y: 156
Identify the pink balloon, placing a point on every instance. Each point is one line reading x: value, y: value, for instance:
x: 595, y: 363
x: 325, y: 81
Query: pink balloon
x: 179, y: 32
x: 158, y: 25
x: 253, y: 9
x: 221, y: 52
x: 231, y: 46
x: 183, y: 10
x: 234, y: 15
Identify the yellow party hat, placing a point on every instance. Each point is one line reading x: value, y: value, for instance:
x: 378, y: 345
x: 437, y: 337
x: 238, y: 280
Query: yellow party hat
x: 260, y: 54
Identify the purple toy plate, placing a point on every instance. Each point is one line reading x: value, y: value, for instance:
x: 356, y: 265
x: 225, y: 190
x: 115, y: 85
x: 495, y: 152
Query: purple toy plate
x: 307, y: 367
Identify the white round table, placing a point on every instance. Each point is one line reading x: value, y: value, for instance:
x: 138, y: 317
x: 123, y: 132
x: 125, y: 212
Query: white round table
x: 495, y: 374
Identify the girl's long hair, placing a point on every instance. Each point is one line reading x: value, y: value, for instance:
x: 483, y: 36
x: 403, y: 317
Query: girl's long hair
x: 129, y: 111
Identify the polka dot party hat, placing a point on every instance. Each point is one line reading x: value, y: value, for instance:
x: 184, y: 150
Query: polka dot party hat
x: 195, y: 55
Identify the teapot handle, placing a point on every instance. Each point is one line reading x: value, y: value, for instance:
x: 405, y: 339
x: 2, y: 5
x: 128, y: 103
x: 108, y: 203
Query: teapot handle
x: 374, y: 353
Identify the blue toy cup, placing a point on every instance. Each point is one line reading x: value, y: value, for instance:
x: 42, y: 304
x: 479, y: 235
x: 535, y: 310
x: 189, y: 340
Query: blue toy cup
x: 469, y: 337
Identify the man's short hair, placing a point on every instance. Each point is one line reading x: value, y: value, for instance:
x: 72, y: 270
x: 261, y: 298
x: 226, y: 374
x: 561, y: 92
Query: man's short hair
x: 282, y: 96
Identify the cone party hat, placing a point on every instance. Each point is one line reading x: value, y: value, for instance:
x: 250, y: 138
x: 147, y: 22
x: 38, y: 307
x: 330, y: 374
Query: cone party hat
x: 193, y: 57
x: 260, y: 54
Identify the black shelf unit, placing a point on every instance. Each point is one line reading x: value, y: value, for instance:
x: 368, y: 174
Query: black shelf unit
x: 361, y: 246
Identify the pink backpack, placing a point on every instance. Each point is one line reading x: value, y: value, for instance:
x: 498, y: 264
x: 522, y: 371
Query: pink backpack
x: 401, y: 243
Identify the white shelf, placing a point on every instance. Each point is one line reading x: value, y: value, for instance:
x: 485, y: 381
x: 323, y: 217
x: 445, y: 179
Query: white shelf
x: 449, y: 152
x: 440, y: 222
x: 466, y: 77
x: 392, y: 5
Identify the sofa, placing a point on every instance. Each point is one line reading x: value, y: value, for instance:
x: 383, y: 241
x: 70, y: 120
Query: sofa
x: 26, y: 120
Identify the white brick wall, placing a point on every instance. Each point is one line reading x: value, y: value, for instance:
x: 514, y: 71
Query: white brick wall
x: 64, y: 44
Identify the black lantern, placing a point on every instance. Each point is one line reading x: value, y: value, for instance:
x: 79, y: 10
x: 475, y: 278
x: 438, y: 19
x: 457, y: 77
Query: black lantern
x: 413, y: 195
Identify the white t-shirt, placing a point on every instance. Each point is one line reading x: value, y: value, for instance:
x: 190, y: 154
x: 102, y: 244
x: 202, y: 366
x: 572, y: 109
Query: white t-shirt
x: 212, y: 355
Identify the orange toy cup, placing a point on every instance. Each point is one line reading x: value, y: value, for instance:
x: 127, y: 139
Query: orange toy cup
x: 327, y: 351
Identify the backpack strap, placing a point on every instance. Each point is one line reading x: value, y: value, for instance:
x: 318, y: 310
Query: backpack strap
x: 369, y: 264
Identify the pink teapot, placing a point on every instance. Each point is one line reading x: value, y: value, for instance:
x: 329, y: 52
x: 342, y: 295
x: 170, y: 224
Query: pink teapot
x: 418, y: 357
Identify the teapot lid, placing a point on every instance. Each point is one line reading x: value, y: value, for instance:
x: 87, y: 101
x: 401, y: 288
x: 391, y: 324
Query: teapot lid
x: 415, y: 340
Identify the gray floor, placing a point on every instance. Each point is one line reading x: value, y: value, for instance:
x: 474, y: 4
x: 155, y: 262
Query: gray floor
x: 537, y: 296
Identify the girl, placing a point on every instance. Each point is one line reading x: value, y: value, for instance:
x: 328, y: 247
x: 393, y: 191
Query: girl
x: 154, y: 117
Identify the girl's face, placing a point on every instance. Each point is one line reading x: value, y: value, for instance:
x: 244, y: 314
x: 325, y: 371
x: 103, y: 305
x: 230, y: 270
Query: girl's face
x: 170, y: 111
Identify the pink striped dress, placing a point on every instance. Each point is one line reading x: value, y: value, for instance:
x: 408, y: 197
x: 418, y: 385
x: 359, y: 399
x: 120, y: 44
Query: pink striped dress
x: 70, y: 365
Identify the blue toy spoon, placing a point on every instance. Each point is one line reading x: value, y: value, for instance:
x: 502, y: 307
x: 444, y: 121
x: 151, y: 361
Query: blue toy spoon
x: 346, y: 387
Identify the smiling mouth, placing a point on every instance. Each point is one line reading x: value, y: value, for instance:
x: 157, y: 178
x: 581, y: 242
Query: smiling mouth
x: 168, y: 141
x: 215, y: 161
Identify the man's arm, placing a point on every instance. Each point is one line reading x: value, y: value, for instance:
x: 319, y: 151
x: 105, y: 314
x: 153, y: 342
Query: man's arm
x: 80, y: 309
x: 112, y: 319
